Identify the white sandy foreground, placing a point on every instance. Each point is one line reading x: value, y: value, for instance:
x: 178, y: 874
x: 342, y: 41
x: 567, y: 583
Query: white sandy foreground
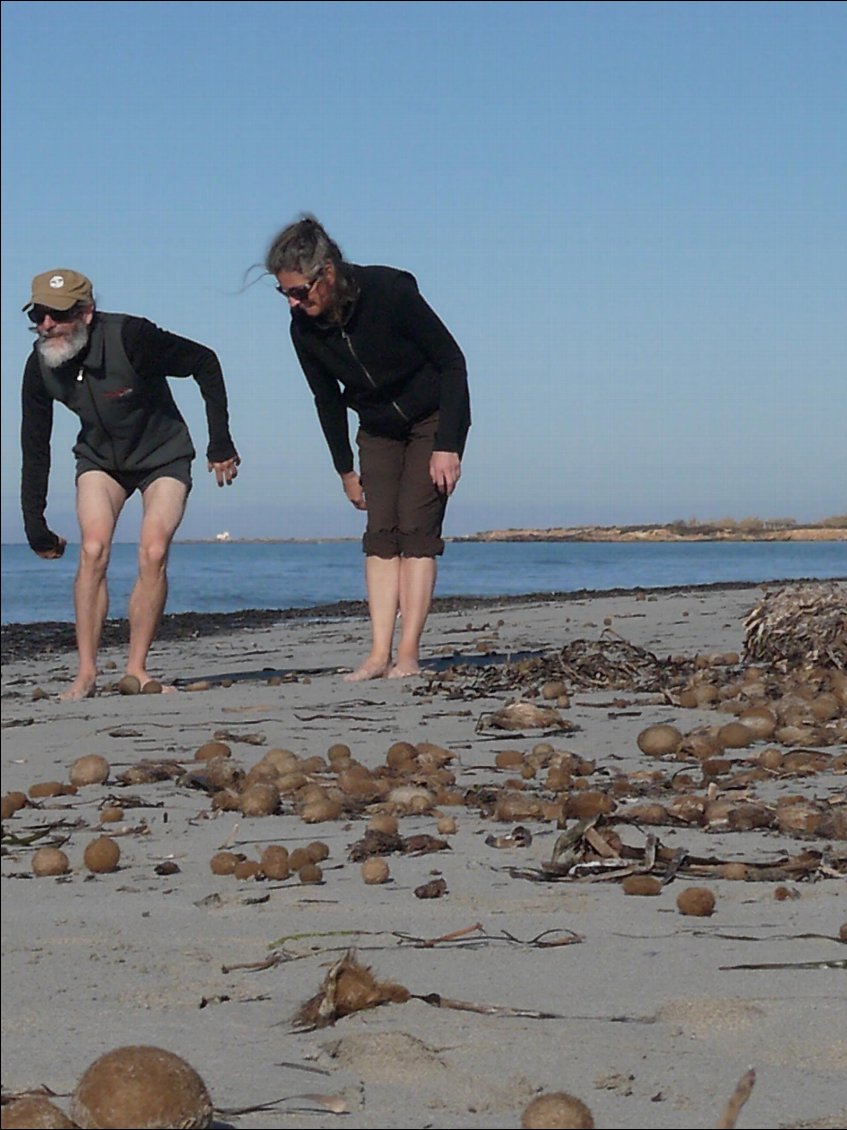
x: 656, y: 1015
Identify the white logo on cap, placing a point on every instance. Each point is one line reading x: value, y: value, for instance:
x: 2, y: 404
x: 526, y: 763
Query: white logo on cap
x: 57, y: 282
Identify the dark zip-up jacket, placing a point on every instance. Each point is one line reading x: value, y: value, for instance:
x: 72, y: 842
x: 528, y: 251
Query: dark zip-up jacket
x: 392, y: 360
x: 130, y: 422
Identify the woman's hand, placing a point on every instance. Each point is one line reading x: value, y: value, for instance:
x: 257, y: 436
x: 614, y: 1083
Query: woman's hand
x: 445, y: 470
x: 226, y: 470
x: 353, y: 489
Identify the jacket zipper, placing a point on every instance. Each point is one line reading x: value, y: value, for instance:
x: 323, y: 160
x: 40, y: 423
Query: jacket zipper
x: 80, y: 380
x: 394, y: 403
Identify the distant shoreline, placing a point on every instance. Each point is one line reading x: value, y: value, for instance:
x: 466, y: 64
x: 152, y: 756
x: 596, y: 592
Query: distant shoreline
x: 581, y: 534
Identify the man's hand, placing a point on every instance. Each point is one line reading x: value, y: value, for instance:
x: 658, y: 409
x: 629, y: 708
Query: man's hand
x: 353, y: 489
x: 226, y: 470
x: 445, y: 470
x: 54, y: 553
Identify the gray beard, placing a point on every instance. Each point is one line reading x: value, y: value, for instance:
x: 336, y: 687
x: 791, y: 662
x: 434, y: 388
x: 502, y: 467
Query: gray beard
x: 56, y: 351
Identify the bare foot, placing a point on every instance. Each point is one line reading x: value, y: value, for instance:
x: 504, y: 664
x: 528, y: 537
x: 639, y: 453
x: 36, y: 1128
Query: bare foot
x: 404, y: 669
x: 370, y: 669
x: 82, y: 687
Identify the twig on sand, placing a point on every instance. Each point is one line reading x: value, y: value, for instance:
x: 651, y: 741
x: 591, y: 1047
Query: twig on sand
x: 737, y: 1100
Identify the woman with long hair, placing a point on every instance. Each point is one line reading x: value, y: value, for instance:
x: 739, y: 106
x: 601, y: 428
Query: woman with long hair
x: 368, y: 341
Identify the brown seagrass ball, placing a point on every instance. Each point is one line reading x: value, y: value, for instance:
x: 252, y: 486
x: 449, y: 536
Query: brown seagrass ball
x: 261, y: 799
x: 310, y: 873
x: 50, y: 861
x: 209, y: 750
x: 90, y: 769
x: 698, y: 902
x: 660, y: 740
x: 13, y: 802
x: 375, y: 870
x: 385, y: 822
x: 46, y: 789
x: 641, y: 885
x: 247, y: 869
x: 557, y: 1111
x: 147, y: 1088
x: 275, y: 862
x: 224, y: 862
x: 34, y: 1112
x: 102, y: 855
x: 317, y: 851
x: 129, y: 684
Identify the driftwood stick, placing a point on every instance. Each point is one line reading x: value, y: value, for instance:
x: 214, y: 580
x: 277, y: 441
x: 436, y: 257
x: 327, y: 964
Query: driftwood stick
x: 737, y: 1100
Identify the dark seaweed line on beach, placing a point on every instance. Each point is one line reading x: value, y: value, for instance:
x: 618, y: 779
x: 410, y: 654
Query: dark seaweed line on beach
x: 27, y: 641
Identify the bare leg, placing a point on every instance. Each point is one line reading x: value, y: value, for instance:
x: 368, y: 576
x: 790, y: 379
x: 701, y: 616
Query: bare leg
x: 382, y: 576
x: 164, y: 505
x: 417, y: 584
x: 99, y: 500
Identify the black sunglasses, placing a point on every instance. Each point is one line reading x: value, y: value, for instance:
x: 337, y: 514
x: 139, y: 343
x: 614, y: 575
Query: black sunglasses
x: 299, y: 293
x: 38, y: 313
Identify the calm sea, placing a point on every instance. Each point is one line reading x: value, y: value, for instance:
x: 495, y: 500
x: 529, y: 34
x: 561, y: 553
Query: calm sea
x: 230, y: 576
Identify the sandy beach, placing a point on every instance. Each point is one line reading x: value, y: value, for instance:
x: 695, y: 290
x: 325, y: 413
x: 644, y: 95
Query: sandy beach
x: 528, y: 968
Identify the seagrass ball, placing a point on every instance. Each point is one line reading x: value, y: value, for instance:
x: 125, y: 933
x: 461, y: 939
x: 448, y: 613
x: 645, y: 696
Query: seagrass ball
x: 310, y: 873
x: 129, y: 684
x: 260, y: 799
x: 385, y: 822
x: 699, y: 902
x: 147, y: 1088
x: 641, y: 885
x: 102, y: 855
x: 111, y: 814
x: 771, y: 758
x: 557, y: 1111
x: 34, y: 1112
x: 13, y: 802
x: 46, y: 788
x: 247, y: 869
x: 508, y: 758
x: 401, y: 755
x: 735, y: 735
x: 735, y: 870
x: 338, y: 751
x: 50, y: 861
x: 209, y: 750
x: 298, y: 858
x: 317, y: 851
x: 375, y: 870
x: 321, y: 810
x: 90, y: 769
x: 660, y: 740
x: 224, y: 862
x: 281, y: 760
x: 275, y: 862
x: 446, y: 825
x: 152, y: 686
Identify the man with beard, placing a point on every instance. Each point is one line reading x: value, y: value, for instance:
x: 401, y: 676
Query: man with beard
x: 111, y: 370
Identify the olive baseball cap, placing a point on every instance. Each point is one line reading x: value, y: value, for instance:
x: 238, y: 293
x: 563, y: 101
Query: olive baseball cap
x: 60, y: 290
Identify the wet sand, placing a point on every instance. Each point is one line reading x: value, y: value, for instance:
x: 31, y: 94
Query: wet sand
x: 557, y: 981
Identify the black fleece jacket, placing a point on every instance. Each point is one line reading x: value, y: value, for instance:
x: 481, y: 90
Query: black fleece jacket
x: 392, y: 360
x: 118, y: 387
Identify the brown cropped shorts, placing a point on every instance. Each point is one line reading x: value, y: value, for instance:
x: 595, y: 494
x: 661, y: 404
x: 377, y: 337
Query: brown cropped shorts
x: 405, y: 511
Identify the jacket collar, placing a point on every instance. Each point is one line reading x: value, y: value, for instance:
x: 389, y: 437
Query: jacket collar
x: 94, y: 355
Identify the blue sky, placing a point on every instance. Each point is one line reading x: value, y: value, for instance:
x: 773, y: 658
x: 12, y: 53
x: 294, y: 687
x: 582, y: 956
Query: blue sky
x: 631, y: 215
